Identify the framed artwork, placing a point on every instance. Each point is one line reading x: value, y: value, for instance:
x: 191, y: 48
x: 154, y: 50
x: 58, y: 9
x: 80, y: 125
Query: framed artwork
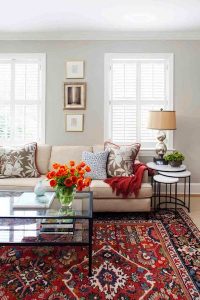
x: 74, y: 95
x: 74, y: 122
x: 75, y: 69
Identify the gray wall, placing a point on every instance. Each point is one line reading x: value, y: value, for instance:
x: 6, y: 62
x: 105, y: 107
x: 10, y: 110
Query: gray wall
x: 186, y: 88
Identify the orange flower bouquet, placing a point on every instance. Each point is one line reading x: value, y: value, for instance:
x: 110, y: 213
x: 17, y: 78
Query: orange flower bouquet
x: 67, y: 179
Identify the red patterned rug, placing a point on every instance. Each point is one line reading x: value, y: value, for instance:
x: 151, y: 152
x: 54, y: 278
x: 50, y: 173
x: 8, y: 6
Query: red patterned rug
x: 135, y: 256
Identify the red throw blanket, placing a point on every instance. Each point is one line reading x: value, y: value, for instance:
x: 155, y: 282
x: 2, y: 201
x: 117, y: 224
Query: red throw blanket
x: 128, y: 185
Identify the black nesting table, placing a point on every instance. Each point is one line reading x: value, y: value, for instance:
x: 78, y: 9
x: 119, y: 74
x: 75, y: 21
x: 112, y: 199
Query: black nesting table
x: 21, y: 227
x: 170, y: 176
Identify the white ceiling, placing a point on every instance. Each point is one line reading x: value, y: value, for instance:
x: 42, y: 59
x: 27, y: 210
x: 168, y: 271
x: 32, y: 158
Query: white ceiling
x: 62, y: 18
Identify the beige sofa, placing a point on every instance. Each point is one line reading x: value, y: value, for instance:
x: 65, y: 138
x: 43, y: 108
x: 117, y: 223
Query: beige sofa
x: 104, y: 198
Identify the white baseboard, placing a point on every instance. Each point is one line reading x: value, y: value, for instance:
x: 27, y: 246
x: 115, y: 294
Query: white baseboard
x: 195, y: 188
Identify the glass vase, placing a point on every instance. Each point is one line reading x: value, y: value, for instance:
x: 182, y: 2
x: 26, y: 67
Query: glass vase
x: 66, y: 197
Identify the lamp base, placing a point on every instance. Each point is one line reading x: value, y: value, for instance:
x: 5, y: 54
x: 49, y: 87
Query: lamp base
x: 160, y: 161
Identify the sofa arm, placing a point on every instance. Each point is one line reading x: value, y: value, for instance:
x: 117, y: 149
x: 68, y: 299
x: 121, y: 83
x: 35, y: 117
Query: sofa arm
x: 145, y: 178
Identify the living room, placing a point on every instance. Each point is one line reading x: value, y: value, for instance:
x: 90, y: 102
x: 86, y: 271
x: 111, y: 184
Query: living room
x: 99, y: 173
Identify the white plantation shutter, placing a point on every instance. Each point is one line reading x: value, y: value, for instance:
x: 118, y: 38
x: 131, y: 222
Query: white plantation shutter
x: 135, y: 86
x: 22, y: 99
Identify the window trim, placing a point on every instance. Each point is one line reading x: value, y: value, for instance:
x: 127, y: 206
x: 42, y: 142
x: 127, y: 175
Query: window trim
x: 42, y: 58
x: 108, y: 57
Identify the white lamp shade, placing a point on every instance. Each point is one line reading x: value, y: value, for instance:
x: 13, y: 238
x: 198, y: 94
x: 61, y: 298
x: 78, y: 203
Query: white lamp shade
x: 162, y: 120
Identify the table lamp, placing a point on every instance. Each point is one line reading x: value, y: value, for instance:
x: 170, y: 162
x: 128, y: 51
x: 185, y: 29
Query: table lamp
x: 161, y: 120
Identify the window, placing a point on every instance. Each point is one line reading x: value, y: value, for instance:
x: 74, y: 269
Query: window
x: 22, y: 98
x: 135, y: 84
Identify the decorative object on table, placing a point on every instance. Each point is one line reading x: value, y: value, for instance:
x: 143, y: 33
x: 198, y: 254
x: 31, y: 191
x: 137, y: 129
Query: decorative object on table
x: 121, y: 158
x: 74, y: 122
x: 74, y: 95
x: 75, y: 69
x: 39, y: 189
x: 31, y: 201
x: 97, y: 162
x: 57, y: 226
x: 66, y: 179
x: 175, y: 158
x: 161, y: 120
x: 19, y: 161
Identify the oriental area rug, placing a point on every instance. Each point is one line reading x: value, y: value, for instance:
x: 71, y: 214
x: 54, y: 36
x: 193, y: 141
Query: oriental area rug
x: 153, y: 256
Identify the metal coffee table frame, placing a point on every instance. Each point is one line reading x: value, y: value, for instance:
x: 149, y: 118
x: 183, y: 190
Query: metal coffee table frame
x: 89, y: 217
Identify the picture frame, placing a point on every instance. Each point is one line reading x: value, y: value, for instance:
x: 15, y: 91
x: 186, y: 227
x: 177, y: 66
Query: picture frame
x: 75, y: 69
x: 74, y: 95
x: 74, y: 122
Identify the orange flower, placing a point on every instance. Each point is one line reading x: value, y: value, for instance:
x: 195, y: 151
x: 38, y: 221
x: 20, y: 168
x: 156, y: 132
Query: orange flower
x: 87, y: 169
x: 60, y: 173
x: 51, y: 174
x: 81, y: 172
x: 72, y: 163
x: 79, y: 188
x: 80, y: 182
x: 87, y: 181
x: 72, y: 171
x: 53, y: 183
x: 74, y: 179
x: 56, y: 166
x: 68, y: 182
x: 82, y: 164
x: 78, y: 168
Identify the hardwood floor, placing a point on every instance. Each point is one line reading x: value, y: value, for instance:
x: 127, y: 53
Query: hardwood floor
x: 195, y: 211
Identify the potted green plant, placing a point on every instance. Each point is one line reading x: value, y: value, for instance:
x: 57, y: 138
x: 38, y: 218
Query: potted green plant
x: 175, y: 158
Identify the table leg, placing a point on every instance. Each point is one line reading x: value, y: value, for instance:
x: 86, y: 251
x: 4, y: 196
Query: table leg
x: 90, y: 246
x: 154, y: 196
x: 159, y: 193
x: 170, y: 191
x: 184, y: 189
x: 175, y: 198
x: 189, y: 194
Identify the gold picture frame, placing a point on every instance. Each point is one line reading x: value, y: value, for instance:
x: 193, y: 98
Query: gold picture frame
x: 74, y: 95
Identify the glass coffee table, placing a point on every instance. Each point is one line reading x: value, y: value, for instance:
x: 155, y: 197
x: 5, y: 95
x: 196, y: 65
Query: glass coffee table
x: 20, y: 227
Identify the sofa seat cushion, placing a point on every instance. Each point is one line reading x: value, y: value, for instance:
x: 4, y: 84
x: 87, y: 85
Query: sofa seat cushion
x: 20, y: 183
x: 101, y: 189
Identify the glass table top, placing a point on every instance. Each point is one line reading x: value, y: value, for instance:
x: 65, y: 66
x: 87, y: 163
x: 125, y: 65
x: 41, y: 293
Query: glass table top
x: 81, y: 208
x: 24, y: 226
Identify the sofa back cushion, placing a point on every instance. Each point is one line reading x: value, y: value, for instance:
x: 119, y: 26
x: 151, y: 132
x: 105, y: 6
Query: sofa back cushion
x: 63, y: 154
x: 98, y: 148
x: 42, y: 158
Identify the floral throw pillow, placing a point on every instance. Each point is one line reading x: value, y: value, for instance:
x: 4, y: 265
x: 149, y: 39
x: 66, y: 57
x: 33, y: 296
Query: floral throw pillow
x: 121, y: 159
x: 18, y: 161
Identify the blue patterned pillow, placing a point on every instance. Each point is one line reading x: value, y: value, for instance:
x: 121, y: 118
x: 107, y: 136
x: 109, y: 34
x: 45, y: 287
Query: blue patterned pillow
x: 97, y: 163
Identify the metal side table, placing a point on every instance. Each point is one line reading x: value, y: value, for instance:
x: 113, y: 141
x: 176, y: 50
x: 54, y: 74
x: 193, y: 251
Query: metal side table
x: 175, y: 172
x: 186, y: 176
x: 167, y: 181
